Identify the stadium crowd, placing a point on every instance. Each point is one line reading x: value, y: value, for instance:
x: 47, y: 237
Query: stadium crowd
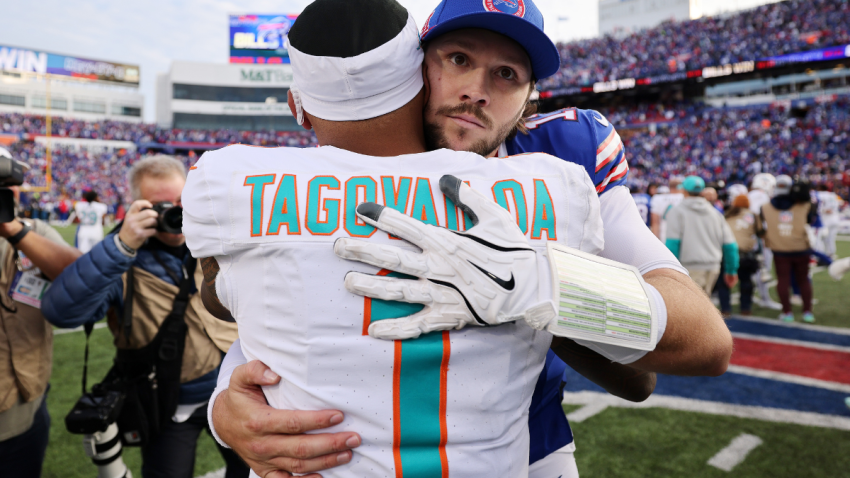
x: 14, y: 123
x: 717, y: 144
x: 766, y: 31
x: 734, y: 144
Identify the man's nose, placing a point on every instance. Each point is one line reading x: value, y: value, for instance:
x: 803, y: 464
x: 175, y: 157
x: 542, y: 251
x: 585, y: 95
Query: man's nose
x: 475, y: 90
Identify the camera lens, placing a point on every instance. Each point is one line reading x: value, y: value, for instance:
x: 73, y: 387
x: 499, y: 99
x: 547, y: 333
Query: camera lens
x: 172, y: 220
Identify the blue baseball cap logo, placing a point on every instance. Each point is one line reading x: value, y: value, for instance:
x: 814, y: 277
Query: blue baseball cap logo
x: 519, y: 20
x: 512, y: 7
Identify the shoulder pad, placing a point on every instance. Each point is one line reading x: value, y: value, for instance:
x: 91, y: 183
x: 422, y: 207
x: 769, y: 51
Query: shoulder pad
x: 584, y: 137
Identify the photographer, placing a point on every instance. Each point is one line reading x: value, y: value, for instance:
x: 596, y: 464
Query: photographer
x: 145, y: 281
x: 31, y: 252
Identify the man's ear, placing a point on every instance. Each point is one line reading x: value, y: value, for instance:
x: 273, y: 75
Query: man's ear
x: 291, y: 102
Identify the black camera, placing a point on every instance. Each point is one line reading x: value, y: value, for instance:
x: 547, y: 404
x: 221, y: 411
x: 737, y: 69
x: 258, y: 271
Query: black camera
x: 170, y: 217
x: 11, y: 174
x: 95, y: 415
x: 94, y: 411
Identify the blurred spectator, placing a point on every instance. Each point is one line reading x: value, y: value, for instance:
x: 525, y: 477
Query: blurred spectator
x: 700, y: 238
x: 785, y: 219
x: 828, y: 205
x: 744, y: 225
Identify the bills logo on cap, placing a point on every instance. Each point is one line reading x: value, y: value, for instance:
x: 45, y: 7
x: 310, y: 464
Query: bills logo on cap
x: 511, y: 7
x: 427, y: 26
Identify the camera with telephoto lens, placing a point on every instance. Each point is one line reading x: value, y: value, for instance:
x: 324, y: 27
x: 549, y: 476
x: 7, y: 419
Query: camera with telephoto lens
x: 170, y: 217
x: 95, y: 416
x: 11, y: 174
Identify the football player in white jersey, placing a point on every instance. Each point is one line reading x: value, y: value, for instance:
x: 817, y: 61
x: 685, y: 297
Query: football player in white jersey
x: 760, y: 193
x: 90, y: 213
x: 661, y: 204
x: 828, y: 206
x: 627, y: 242
x: 415, y: 411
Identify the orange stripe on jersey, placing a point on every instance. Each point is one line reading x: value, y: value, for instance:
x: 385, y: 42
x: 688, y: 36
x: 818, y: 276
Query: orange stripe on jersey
x: 606, y: 142
x: 444, y: 373
x: 367, y: 306
x: 610, y: 157
x: 193, y: 168
x: 396, y: 410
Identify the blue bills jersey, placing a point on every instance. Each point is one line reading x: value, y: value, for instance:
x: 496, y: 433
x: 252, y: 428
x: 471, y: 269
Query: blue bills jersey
x: 642, y: 203
x: 586, y: 138
x: 577, y: 136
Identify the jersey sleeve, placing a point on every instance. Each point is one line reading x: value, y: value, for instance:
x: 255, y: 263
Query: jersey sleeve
x: 584, y: 137
x: 200, y: 224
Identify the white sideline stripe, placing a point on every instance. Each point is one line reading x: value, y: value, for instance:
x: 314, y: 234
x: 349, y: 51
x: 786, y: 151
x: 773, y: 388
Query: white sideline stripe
x: 789, y: 378
x: 735, y: 453
x: 816, y: 328
x: 215, y: 474
x: 798, y: 343
x: 586, y: 412
x: 776, y: 415
x: 77, y: 329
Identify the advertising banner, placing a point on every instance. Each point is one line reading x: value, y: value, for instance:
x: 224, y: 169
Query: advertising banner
x: 23, y: 60
x: 259, y: 38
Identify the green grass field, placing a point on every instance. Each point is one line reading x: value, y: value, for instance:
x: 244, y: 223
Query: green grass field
x: 615, y: 443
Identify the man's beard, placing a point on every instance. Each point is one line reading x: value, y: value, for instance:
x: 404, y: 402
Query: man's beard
x: 435, y: 135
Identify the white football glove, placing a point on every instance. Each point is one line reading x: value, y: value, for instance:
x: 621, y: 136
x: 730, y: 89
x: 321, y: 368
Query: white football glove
x: 485, y: 276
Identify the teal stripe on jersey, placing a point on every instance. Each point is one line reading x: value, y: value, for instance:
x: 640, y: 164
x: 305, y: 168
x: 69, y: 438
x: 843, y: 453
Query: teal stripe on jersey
x: 418, y: 394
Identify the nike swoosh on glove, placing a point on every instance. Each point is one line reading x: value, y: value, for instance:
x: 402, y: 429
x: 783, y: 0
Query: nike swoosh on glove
x: 485, y: 276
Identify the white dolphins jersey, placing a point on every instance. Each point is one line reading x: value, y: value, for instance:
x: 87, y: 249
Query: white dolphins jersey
x: 828, y: 205
x: 91, y: 215
x: 758, y: 198
x: 450, y: 404
x: 661, y: 204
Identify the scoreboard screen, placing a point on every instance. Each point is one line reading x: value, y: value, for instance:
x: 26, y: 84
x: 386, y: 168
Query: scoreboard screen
x: 256, y: 38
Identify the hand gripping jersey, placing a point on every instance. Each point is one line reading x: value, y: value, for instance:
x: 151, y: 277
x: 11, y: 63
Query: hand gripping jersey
x: 90, y: 230
x: 450, y: 404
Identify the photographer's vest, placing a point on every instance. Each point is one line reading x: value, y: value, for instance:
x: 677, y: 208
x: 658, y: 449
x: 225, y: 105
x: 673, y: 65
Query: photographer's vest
x: 206, y: 338
x: 26, y: 343
x: 785, y: 231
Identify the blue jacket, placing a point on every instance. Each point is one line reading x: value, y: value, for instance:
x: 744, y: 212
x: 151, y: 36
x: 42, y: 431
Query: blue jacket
x: 92, y: 285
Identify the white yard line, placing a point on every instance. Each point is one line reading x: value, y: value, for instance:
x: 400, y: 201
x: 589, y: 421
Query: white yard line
x: 798, y: 343
x: 586, y: 412
x: 776, y: 415
x: 735, y: 453
x: 816, y: 328
x: 789, y: 378
x: 98, y: 325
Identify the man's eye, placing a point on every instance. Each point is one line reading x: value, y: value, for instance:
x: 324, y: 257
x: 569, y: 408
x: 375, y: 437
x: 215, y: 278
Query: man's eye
x: 458, y: 59
x: 507, y: 74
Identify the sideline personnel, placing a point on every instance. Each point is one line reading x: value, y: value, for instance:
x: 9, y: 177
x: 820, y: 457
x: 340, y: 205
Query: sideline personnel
x: 31, y: 250
x: 698, y: 236
x: 146, y: 265
x: 785, y: 219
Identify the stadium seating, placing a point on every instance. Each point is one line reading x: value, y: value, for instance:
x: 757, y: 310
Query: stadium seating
x: 769, y: 30
x: 729, y: 144
x: 733, y: 144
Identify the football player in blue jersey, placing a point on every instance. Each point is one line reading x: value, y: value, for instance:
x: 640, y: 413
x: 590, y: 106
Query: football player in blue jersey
x: 481, y: 63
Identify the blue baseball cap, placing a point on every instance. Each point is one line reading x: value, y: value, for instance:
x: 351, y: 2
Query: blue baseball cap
x: 519, y: 20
